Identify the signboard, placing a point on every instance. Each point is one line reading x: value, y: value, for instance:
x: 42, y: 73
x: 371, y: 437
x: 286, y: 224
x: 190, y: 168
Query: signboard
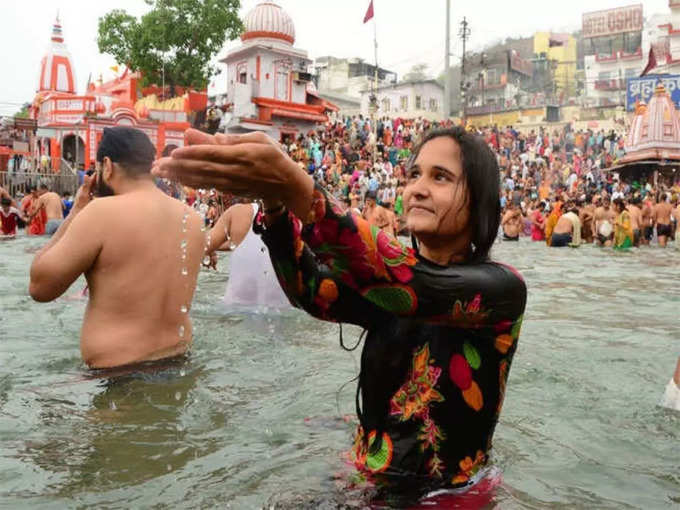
x: 641, y: 89
x: 612, y: 21
x: 69, y: 105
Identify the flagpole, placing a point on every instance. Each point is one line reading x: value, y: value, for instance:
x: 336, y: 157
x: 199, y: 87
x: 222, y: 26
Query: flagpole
x: 375, y: 87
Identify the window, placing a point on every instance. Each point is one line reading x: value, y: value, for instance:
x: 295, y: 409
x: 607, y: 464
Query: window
x: 631, y: 73
x: 418, y: 103
x: 282, y: 84
x: 403, y: 102
x: 386, y: 104
x: 242, y: 72
x: 433, y: 105
x: 604, y: 75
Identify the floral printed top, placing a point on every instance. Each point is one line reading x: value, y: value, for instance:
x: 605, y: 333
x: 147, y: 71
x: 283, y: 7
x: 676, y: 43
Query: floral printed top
x: 439, y: 346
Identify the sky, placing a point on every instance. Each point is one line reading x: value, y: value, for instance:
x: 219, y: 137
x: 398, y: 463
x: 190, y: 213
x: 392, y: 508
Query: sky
x: 408, y: 32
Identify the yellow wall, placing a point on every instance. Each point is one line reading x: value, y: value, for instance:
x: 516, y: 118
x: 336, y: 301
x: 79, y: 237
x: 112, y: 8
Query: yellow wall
x: 565, y: 56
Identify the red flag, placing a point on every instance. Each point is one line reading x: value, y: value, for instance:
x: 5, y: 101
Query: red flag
x: 651, y: 62
x: 369, y: 12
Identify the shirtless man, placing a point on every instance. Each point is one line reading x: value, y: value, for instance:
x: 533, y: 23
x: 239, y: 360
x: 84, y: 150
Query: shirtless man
x: 567, y: 229
x: 54, y: 210
x: 647, y: 222
x: 228, y: 232
x: 662, y: 218
x: 635, y: 219
x: 377, y: 215
x: 676, y: 217
x: 140, y: 251
x: 587, y: 215
x: 512, y: 223
x: 603, y: 215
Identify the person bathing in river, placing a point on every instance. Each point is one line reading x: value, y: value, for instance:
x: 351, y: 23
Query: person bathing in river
x: 671, y: 397
x: 252, y: 280
x: 140, y: 252
x: 567, y: 231
x: 443, y: 320
x: 512, y: 222
x: 50, y: 202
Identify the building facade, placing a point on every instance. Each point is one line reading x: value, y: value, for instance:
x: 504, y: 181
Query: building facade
x: 69, y: 125
x: 269, y: 87
x: 615, y: 49
x: 349, y: 77
x: 423, y: 98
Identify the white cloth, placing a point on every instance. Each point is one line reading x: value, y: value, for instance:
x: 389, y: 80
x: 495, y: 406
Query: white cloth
x: 671, y: 398
x: 252, y: 280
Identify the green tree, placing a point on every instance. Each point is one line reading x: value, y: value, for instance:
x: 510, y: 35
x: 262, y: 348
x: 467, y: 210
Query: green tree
x: 177, y: 38
x: 23, y: 113
x: 418, y: 72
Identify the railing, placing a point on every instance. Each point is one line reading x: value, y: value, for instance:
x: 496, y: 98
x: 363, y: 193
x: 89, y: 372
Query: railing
x: 18, y: 182
x: 66, y: 167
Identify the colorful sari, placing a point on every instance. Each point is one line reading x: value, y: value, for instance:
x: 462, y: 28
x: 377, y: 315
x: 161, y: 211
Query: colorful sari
x: 552, y: 221
x: 623, y: 232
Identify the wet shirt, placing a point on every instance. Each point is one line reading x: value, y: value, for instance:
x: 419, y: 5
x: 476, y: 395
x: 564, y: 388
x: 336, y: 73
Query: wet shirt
x: 439, y: 345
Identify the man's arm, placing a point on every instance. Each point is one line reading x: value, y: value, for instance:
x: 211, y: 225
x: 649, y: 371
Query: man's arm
x: 71, y: 251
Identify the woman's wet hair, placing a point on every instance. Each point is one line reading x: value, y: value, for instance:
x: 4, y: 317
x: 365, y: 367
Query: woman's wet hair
x: 481, y: 172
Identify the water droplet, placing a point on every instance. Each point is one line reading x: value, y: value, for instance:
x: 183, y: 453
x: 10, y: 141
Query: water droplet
x: 232, y: 246
x: 169, y: 467
x: 184, y: 230
x: 113, y: 406
x: 178, y: 395
x: 185, y: 271
x: 184, y: 309
x: 183, y: 244
x: 263, y: 249
x: 182, y: 373
x: 181, y: 331
x: 184, y: 256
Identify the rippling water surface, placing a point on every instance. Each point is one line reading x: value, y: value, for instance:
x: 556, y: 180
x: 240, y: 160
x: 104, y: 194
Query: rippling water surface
x: 254, y: 418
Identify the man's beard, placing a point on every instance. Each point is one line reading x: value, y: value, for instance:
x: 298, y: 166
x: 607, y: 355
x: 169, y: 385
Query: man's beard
x: 103, y: 189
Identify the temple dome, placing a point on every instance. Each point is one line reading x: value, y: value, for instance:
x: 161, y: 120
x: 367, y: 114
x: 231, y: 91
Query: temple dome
x: 56, y: 68
x: 655, y: 130
x: 269, y: 21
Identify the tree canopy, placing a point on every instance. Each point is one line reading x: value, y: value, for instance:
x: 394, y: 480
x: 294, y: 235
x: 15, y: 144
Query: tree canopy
x: 176, y: 37
x: 417, y: 72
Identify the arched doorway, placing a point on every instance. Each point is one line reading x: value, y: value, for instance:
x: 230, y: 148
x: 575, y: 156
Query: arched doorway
x: 73, y: 150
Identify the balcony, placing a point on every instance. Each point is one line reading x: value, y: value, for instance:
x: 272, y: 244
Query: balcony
x: 614, y: 84
x: 603, y: 58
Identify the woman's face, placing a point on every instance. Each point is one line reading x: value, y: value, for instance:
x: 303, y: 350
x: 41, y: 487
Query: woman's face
x: 436, y: 196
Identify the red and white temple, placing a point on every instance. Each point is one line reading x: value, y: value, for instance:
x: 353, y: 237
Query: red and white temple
x: 70, y: 125
x: 654, y: 134
x: 268, y: 84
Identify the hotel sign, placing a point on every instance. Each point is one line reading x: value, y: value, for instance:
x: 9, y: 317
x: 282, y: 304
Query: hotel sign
x: 612, y: 21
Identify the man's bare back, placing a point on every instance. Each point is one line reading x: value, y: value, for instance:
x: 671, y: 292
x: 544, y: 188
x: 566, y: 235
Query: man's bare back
x: 662, y: 213
x: 51, y: 202
x: 140, y: 251
x: 131, y: 247
x: 563, y: 226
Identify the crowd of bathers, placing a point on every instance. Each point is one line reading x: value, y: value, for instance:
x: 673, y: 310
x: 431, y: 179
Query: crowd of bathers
x: 544, y: 173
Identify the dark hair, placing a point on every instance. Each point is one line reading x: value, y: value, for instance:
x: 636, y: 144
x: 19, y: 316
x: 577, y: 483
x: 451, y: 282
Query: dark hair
x: 620, y: 204
x: 481, y: 172
x: 129, y: 147
x: 5, y: 201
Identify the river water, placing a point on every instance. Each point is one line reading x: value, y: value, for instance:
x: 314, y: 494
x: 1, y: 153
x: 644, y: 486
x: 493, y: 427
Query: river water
x: 254, y: 418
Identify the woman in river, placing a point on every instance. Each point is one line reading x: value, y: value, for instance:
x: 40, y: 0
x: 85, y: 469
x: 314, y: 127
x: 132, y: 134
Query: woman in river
x: 623, y: 231
x: 443, y: 321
